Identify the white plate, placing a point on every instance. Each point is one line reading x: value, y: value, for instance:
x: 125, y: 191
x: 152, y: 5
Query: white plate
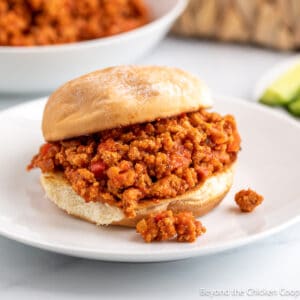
x: 269, y: 163
x: 44, y: 68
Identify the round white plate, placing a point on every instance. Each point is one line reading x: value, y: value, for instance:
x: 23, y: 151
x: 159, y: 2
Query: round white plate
x: 269, y: 163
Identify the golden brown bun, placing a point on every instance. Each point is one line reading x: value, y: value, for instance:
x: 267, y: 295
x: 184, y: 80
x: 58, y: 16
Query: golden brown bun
x: 120, y: 96
x: 199, y: 201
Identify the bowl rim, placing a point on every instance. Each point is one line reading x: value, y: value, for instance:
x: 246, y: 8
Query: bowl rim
x: 169, y: 16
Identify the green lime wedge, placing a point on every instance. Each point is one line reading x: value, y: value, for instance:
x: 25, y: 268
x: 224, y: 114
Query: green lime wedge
x: 294, y: 107
x: 284, y: 89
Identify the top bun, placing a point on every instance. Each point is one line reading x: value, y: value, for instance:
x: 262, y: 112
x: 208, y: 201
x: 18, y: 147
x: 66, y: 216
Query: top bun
x: 121, y: 96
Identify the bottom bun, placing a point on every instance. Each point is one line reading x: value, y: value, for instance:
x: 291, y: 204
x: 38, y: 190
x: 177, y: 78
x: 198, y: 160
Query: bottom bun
x: 199, y: 201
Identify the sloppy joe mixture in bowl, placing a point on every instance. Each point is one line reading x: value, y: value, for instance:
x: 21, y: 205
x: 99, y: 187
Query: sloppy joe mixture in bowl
x: 42, y: 22
x: 45, y: 43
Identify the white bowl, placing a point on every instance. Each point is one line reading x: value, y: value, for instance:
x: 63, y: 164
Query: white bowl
x: 44, y: 68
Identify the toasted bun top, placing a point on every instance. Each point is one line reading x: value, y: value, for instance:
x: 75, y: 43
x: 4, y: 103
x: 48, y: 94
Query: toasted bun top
x: 121, y: 96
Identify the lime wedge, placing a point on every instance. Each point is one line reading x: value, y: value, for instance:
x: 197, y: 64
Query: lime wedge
x: 284, y: 89
x: 294, y: 107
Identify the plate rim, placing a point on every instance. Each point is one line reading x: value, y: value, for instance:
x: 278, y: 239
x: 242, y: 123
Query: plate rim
x: 155, y: 256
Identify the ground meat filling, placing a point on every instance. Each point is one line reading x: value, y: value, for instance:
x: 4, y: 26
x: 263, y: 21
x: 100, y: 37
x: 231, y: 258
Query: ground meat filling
x: 167, y: 226
x: 248, y: 200
x: 154, y: 160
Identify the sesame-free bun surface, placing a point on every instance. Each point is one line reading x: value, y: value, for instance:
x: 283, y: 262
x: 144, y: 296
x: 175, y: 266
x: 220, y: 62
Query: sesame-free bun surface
x: 199, y: 201
x: 120, y: 96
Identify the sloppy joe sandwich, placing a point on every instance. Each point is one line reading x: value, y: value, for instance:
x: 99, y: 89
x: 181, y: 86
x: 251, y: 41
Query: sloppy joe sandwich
x: 126, y: 142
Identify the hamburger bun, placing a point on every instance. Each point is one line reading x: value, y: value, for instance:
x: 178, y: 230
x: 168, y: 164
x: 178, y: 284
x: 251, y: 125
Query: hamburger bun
x: 199, y: 201
x: 121, y: 96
